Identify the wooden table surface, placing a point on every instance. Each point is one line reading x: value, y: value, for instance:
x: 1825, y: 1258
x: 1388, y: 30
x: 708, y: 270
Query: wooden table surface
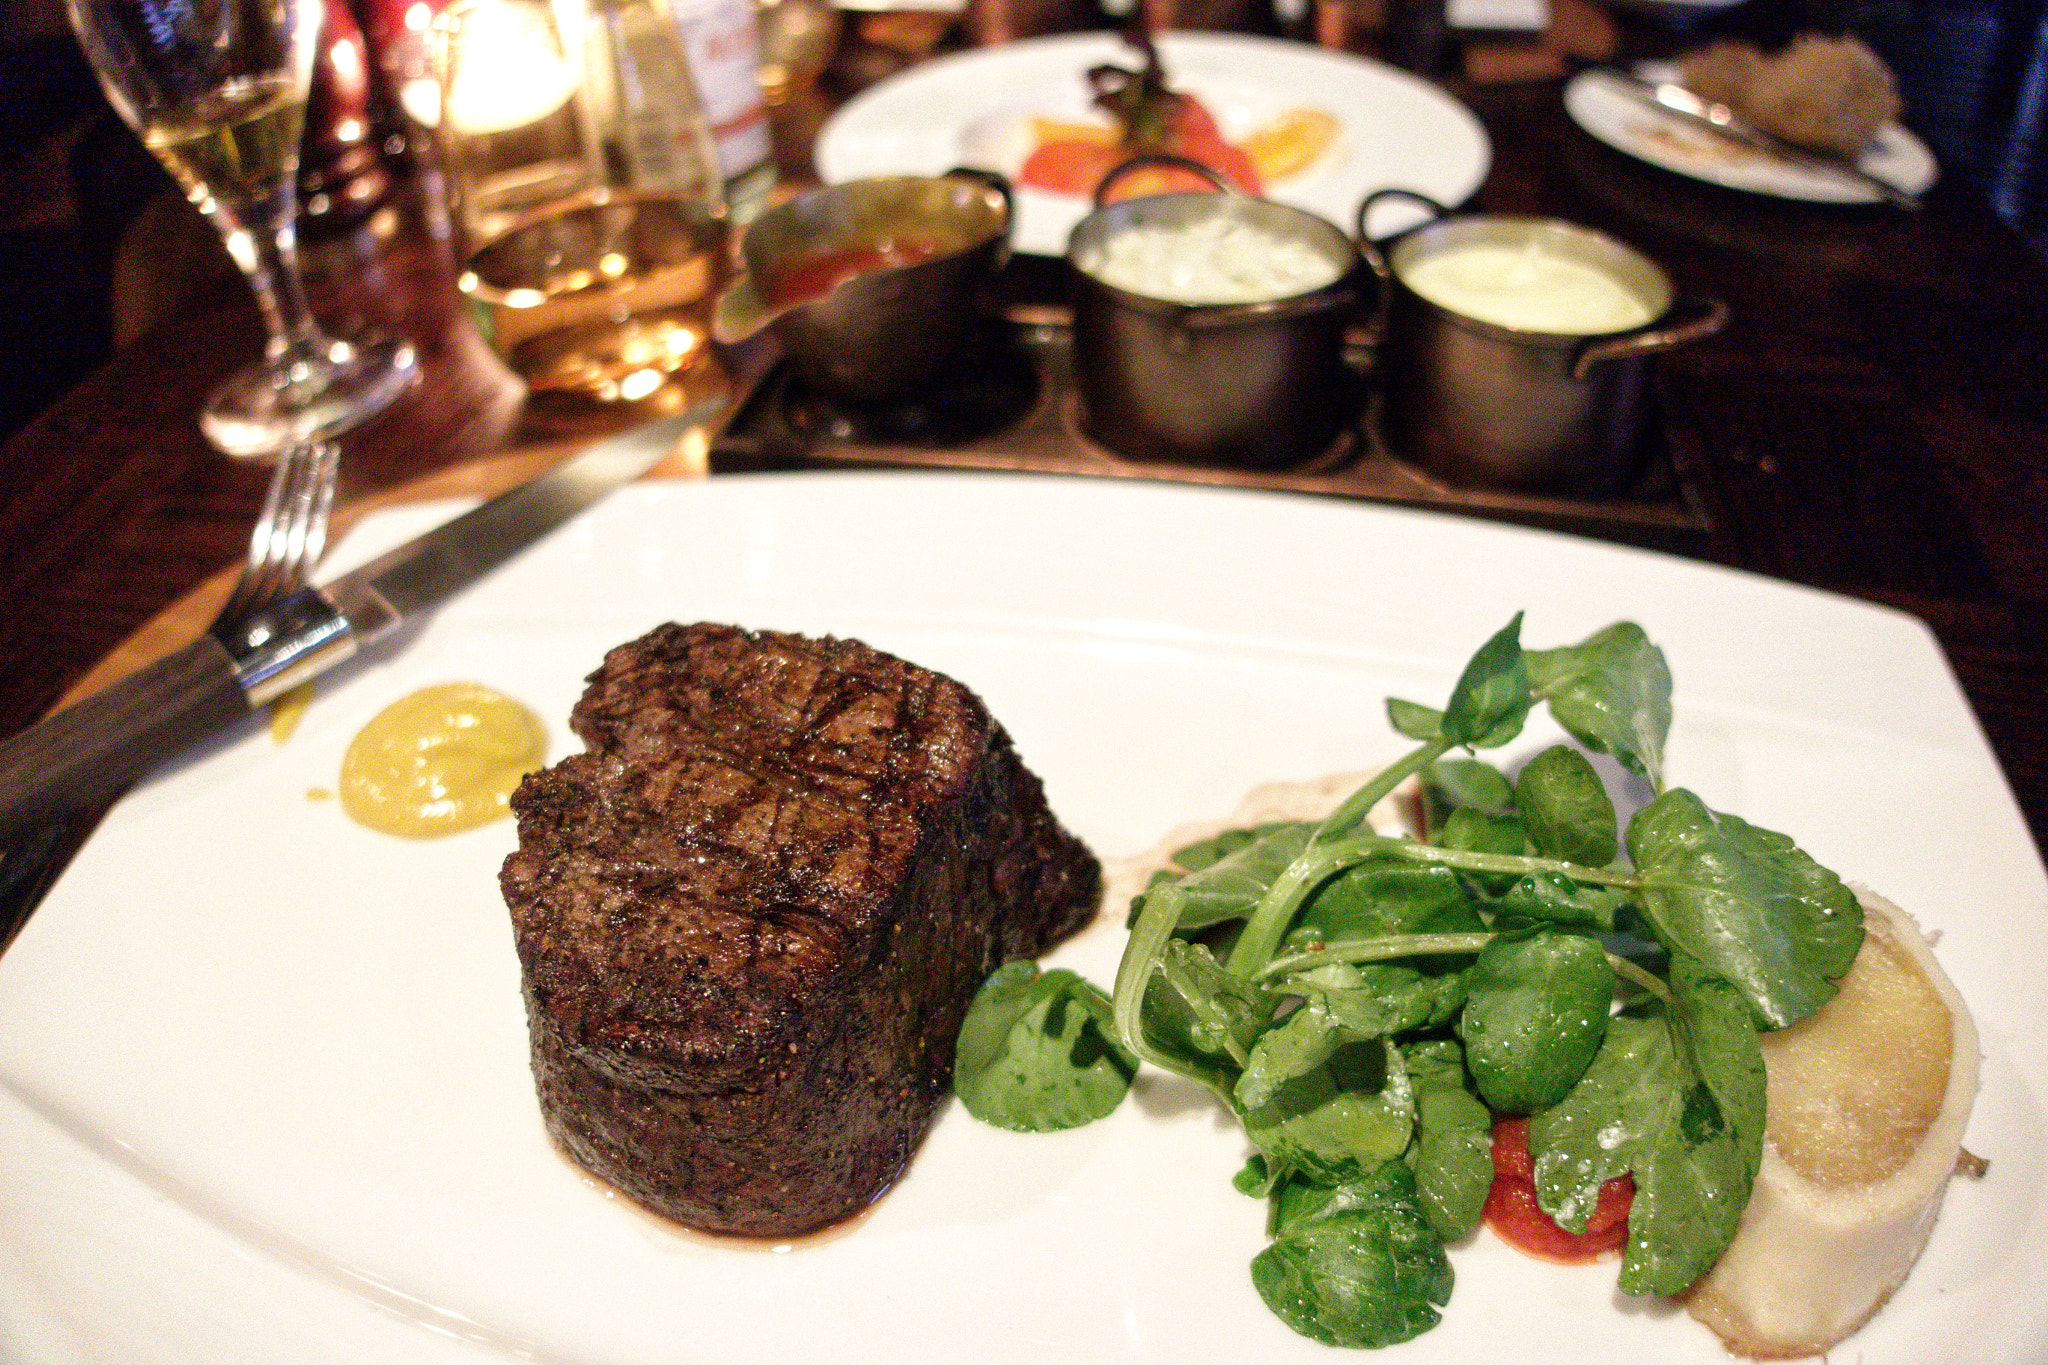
x: 1874, y: 421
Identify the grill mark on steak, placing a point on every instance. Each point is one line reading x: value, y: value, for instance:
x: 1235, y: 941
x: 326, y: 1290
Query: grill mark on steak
x: 750, y: 917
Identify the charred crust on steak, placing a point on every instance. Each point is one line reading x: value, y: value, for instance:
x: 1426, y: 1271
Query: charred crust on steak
x: 751, y: 915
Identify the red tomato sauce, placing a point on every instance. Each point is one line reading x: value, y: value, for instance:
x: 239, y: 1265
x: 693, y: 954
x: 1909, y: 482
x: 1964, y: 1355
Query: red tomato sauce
x: 815, y: 276
x: 1515, y: 1216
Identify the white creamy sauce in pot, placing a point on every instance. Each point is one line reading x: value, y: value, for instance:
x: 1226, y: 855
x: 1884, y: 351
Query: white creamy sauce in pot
x: 1211, y: 261
x: 1531, y: 287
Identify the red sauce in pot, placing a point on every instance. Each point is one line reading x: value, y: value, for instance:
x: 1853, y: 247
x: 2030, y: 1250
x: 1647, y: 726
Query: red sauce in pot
x: 815, y: 276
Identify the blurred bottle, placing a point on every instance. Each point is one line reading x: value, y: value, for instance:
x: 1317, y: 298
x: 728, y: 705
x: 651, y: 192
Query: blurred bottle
x: 342, y: 176
x: 723, y: 41
x: 400, y: 38
x: 641, y: 84
x: 797, y: 41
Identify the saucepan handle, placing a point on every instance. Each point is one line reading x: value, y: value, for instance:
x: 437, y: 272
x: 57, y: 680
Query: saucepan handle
x: 1145, y: 159
x: 1367, y: 204
x: 1690, y: 321
x: 1373, y: 331
x: 996, y: 181
x: 1000, y: 183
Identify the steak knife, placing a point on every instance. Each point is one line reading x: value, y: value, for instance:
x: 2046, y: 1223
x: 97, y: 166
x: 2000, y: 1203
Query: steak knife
x: 58, y: 776
x: 1671, y: 98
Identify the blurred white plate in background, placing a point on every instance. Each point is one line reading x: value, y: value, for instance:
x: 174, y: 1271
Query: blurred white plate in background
x: 1599, y: 106
x: 1396, y: 130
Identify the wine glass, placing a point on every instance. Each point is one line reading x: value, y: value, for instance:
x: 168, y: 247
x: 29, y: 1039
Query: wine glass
x: 217, y: 91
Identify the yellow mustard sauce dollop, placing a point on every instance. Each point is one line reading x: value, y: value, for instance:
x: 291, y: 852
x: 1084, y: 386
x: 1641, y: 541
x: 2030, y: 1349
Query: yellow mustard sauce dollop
x: 441, y: 760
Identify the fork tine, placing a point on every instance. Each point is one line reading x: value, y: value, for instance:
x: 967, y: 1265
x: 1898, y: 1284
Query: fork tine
x: 320, y: 506
x: 290, y: 532
x: 284, y: 561
x: 262, y: 542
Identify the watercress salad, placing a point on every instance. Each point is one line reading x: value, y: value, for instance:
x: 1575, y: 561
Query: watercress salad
x: 1366, y: 1004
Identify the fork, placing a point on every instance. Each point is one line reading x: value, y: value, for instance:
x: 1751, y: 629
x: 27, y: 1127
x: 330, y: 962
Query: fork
x: 284, y: 548
x: 290, y: 533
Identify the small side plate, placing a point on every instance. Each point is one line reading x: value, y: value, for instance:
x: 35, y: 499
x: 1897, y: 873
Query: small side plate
x: 1597, y: 105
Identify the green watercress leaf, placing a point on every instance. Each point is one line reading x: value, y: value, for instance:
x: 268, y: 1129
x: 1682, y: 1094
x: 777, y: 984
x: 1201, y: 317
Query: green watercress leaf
x: 1387, y: 895
x: 1416, y: 721
x: 1689, y: 1200
x: 1493, y: 697
x: 1535, y: 1014
x: 1748, y: 903
x: 1035, y: 1052
x: 1612, y: 693
x: 1556, y: 898
x: 1677, y: 1101
x: 1376, y: 998
x: 1339, y: 1119
x: 1297, y: 1045
x: 1364, y: 1270
x: 1214, y: 849
x: 1382, y: 897
x: 1452, y: 1155
x: 1717, y: 1037
x: 1470, y: 782
x: 1566, y: 809
x: 1474, y: 831
x: 1219, y: 1014
x: 1230, y: 887
x: 1620, y: 1108
x: 1256, y: 1178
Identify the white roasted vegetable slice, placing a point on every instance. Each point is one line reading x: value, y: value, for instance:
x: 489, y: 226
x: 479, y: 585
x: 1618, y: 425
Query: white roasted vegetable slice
x: 1868, y: 1100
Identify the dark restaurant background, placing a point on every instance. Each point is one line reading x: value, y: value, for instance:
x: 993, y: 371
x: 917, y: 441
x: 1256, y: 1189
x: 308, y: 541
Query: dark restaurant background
x: 74, y: 182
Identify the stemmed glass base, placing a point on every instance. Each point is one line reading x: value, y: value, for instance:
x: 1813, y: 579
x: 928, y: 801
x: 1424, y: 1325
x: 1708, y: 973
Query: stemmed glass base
x: 309, y: 396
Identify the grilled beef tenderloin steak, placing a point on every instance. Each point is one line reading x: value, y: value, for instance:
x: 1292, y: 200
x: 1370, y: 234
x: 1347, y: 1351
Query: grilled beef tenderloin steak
x: 751, y: 916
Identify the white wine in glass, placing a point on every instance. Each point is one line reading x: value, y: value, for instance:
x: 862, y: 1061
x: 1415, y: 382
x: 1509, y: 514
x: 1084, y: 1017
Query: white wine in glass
x: 217, y: 90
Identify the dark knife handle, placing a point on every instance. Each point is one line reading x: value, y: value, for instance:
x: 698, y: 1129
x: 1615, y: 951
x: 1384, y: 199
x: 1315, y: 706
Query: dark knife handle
x: 59, y: 775
x: 30, y: 865
x: 94, y: 749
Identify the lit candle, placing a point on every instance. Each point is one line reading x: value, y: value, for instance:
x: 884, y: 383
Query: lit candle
x: 507, y: 70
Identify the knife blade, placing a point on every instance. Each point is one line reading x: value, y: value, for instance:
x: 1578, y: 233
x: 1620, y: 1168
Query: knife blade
x: 59, y: 774
x: 1688, y: 107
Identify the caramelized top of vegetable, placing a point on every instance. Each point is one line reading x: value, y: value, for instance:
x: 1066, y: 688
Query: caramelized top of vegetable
x: 1139, y: 101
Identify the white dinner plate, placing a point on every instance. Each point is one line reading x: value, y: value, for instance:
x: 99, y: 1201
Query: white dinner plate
x: 1396, y: 130
x: 263, y: 1076
x: 1597, y: 104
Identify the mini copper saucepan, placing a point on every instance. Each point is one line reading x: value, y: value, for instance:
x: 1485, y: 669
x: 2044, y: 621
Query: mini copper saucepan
x: 1517, y: 349
x: 1240, y: 363
x: 872, y: 287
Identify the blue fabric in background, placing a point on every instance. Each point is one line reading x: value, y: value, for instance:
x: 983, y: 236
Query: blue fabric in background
x: 1974, y: 75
